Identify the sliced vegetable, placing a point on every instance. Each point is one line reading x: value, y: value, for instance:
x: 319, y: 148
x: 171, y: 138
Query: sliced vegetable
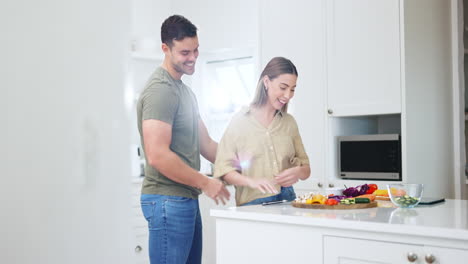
x: 338, y: 197
x: 363, y: 189
x: 362, y: 200
x: 348, y: 201
x: 331, y: 202
x: 370, y: 196
x: 406, y: 200
x: 381, y: 193
x: 372, y: 188
x: 355, y: 191
x: 399, y: 192
x: 351, y: 191
x: 318, y: 199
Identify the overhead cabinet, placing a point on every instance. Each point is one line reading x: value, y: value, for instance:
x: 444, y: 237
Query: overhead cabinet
x: 363, y: 57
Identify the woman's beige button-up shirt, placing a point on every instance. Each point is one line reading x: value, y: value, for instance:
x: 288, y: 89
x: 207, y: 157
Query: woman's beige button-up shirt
x: 257, y: 151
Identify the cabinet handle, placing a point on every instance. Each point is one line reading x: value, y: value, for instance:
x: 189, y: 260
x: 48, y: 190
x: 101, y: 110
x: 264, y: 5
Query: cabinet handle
x: 331, y: 185
x: 320, y: 184
x: 138, y: 248
x: 430, y: 258
x: 412, y: 257
x: 330, y: 111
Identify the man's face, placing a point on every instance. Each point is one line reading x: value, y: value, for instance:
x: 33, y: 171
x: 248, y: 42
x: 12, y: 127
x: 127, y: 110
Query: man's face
x: 183, y: 55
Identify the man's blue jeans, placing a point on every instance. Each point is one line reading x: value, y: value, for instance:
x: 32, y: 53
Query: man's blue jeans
x: 287, y: 193
x: 175, y: 229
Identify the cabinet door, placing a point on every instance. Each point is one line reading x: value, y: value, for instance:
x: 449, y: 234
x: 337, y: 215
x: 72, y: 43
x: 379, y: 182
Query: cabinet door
x: 342, y: 250
x: 363, y: 57
x: 295, y: 29
x: 444, y: 255
x: 140, y: 226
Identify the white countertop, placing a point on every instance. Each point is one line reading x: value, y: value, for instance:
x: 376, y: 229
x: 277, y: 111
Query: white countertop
x: 445, y: 220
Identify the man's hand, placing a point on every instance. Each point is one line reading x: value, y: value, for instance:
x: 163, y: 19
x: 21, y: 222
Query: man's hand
x: 216, y: 190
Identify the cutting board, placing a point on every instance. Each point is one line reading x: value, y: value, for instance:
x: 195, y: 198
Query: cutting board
x: 336, y: 207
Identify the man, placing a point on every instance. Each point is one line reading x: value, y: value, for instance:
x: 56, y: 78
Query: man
x: 174, y: 136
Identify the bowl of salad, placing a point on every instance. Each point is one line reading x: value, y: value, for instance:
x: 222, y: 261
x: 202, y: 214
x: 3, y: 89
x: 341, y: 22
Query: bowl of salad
x: 405, y: 195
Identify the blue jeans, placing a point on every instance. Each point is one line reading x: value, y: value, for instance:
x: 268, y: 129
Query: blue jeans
x: 287, y: 193
x: 175, y: 229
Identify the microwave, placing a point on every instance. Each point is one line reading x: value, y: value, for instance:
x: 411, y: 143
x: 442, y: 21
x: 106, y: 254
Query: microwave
x: 370, y: 157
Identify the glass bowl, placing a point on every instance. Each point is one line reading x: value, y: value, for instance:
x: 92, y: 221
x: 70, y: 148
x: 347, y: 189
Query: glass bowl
x: 405, y: 195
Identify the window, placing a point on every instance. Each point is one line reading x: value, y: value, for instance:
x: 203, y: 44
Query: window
x: 230, y: 85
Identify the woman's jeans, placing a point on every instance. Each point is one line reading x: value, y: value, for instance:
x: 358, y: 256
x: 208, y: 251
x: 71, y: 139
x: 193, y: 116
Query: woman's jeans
x: 287, y: 193
x: 175, y: 229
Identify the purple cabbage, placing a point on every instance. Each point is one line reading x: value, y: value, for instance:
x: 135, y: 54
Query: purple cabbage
x: 338, y: 197
x: 356, y: 191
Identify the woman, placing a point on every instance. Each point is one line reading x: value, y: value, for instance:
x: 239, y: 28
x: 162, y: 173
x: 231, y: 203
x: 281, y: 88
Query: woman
x: 261, y: 152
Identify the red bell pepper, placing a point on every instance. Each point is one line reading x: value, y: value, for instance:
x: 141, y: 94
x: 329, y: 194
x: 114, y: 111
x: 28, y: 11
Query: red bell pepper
x: 372, y: 188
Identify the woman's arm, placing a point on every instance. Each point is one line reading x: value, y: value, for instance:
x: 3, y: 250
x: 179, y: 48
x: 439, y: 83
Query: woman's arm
x: 292, y: 175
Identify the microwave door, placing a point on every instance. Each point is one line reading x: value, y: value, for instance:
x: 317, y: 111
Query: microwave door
x: 372, y: 159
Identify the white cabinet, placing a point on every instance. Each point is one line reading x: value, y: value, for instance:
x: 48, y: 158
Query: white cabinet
x: 444, y: 255
x: 413, y: 72
x: 296, y: 30
x: 140, y: 226
x: 342, y: 250
x: 363, y: 62
x: 285, y: 234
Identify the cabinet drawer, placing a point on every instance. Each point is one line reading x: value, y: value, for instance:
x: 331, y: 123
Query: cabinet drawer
x: 351, y: 250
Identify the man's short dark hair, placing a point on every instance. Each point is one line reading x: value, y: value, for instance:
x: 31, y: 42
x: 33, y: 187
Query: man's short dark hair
x: 177, y: 27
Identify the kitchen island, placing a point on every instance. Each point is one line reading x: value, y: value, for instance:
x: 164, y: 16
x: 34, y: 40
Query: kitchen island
x: 284, y: 234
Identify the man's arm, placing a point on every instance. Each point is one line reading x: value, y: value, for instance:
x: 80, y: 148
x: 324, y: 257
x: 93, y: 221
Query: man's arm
x: 208, y: 146
x: 157, y: 137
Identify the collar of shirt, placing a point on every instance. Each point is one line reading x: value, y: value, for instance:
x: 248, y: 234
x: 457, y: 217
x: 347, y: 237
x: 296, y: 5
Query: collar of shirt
x: 246, y: 110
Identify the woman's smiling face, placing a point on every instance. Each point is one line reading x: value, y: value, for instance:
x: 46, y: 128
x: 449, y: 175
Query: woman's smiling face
x: 280, y: 90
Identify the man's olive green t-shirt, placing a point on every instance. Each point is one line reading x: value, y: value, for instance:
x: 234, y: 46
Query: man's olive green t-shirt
x: 172, y: 102
x: 259, y: 152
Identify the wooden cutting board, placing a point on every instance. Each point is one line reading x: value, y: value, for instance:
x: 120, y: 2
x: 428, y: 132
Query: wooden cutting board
x: 335, y: 207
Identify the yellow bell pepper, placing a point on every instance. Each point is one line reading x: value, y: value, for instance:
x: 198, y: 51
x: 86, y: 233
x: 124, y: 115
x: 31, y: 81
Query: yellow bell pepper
x: 381, y: 193
x: 318, y: 199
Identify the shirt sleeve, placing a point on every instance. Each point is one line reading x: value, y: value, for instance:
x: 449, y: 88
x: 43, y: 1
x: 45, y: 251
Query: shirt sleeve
x: 226, y: 155
x: 160, y: 102
x: 301, y: 157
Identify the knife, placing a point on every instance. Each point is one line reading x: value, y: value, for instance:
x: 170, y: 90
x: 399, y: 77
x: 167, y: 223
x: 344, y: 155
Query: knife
x: 274, y: 202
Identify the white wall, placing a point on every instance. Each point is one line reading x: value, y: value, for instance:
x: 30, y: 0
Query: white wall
x: 146, y: 19
x: 64, y: 191
x: 222, y: 24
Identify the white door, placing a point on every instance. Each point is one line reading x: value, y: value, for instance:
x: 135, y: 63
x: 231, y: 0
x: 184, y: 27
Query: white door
x: 340, y: 250
x: 363, y: 57
x: 65, y: 176
x: 295, y: 30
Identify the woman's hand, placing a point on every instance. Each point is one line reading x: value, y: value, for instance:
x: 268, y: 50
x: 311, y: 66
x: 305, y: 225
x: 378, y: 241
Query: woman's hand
x: 290, y: 176
x: 265, y: 186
